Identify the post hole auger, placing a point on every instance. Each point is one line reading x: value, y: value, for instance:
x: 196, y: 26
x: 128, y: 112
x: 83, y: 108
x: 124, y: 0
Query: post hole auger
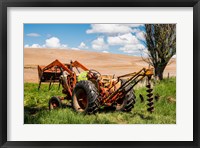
x: 88, y: 90
x: 135, y: 78
x: 149, y: 95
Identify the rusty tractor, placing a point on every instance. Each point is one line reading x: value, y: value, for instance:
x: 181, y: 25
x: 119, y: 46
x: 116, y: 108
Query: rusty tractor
x: 88, y: 90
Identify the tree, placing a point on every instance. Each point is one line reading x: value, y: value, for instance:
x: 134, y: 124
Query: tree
x: 161, y: 46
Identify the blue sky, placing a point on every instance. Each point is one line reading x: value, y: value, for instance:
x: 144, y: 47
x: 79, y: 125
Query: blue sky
x: 108, y: 38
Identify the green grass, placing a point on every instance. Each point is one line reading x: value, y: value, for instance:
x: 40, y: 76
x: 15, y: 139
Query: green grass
x: 36, y: 108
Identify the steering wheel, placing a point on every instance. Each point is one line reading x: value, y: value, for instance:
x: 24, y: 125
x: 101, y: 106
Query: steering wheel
x: 95, y: 73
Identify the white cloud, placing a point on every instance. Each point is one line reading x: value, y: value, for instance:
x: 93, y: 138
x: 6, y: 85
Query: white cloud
x: 73, y: 48
x: 63, y: 46
x: 135, y: 25
x: 140, y: 35
x: 128, y: 36
x: 135, y: 30
x: 133, y: 49
x: 105, y: 51
x: 33, y: 46
x: 52, y: 42
x: 33, y: 34
x: 99, y: 44
x: 26, y: 46
x: 82, y: 46
x: 109, y: 29
x: 122, y: 39
x: 112, y: 28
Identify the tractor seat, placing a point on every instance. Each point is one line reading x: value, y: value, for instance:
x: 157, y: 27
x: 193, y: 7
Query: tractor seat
x: 106, y: 80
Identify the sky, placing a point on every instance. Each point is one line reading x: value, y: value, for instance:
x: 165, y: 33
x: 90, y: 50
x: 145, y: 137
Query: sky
x: 107, y: 38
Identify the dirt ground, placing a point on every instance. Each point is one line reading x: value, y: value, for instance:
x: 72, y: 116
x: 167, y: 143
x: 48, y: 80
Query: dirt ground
x: 105, y: 63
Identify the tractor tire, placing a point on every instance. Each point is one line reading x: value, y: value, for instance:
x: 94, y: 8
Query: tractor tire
x: 126, y: 103
x: 85, y: 97
x: 54, y: 103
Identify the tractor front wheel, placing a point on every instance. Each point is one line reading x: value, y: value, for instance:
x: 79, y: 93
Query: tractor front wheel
x: 85, y: 97
x: 54, y: 103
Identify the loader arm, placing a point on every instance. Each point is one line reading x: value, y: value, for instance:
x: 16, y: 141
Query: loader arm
x: 59, y: 64
x: 77, y: 64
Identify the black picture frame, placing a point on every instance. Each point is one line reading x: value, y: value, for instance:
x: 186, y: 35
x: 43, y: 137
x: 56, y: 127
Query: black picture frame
x: 4, y: 4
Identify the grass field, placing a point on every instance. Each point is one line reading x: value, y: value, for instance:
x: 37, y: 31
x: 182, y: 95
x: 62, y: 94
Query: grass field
x: 36, y: 108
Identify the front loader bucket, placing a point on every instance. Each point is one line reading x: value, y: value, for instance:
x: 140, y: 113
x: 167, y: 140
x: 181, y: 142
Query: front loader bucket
x: 50, y: 75
x: 53, y: 71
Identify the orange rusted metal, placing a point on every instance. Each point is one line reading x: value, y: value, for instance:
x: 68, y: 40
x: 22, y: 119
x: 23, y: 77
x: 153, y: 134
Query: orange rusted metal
x: 77, y: 64
x: 110, y: 90
x: 53, y: 71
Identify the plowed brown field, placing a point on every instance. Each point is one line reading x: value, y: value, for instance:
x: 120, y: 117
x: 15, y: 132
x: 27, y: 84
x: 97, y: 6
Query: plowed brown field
x: 105, y: 63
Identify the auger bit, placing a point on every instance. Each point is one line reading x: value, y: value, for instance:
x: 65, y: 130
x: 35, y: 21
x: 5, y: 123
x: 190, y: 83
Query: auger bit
x: 149, y: 95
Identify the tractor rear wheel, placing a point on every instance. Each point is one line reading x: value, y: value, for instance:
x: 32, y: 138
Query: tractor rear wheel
x: 85, y: 97
x: 127, y: 102
x: 54, y: 103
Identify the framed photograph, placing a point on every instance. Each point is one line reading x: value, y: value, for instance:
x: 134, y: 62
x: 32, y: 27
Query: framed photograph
x: 105, y: 73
